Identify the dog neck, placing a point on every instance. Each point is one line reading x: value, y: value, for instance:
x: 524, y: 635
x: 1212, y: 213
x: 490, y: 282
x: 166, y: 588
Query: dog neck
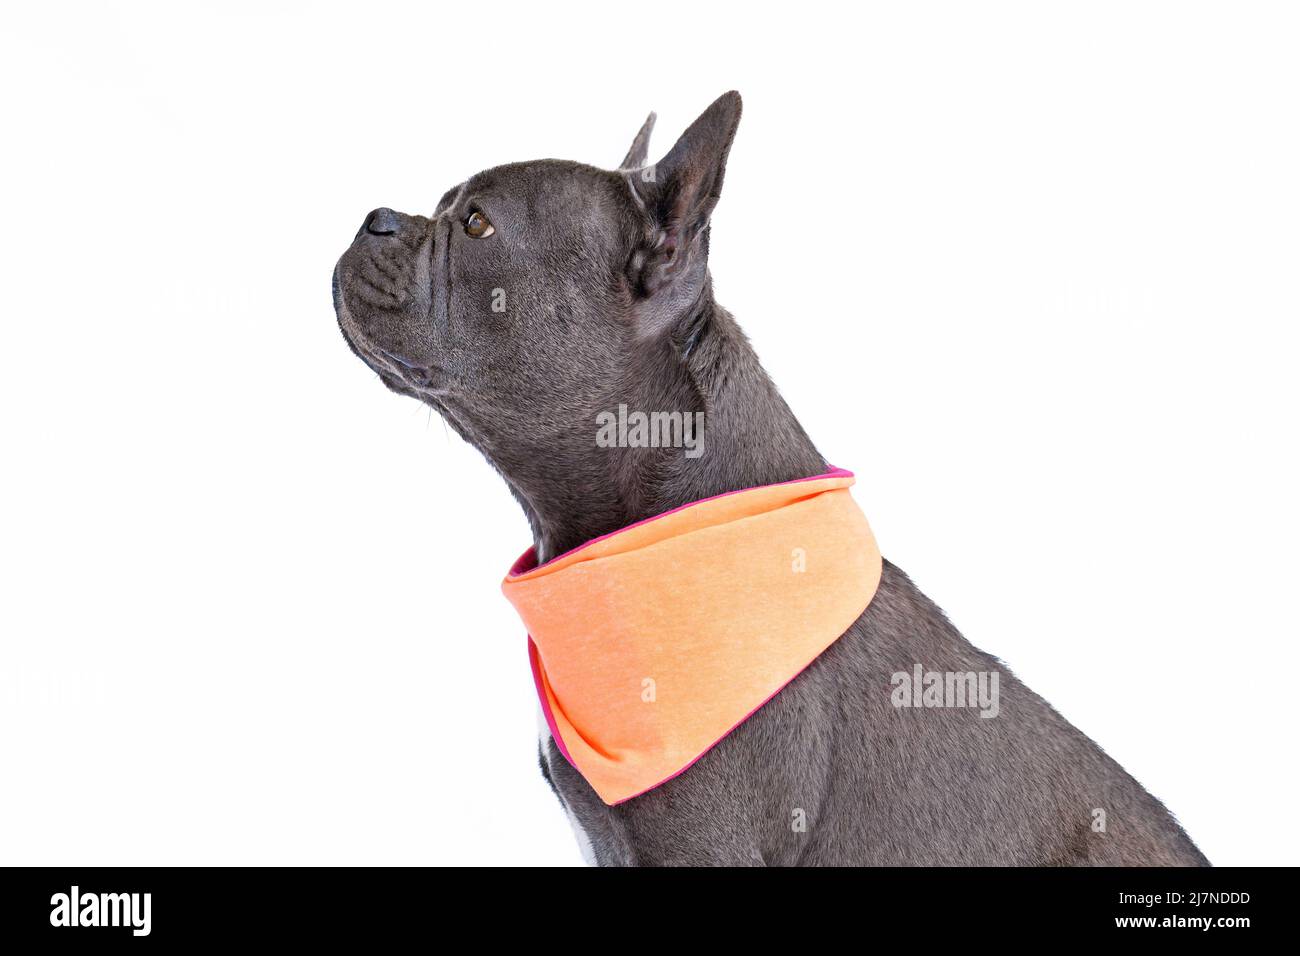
x: 750, y: 438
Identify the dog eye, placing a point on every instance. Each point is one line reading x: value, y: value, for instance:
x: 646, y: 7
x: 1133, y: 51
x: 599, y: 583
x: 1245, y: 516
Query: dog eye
x: 477, y: 226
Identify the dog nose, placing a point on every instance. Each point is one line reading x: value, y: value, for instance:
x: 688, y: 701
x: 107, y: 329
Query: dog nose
x: 380, y: 222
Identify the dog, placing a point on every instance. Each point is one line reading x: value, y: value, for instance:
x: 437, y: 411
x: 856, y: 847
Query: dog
x: 539, y: 295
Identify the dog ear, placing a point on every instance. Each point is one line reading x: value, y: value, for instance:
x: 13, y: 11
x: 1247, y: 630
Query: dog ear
x: 636, y: 156
x: 678, y: 195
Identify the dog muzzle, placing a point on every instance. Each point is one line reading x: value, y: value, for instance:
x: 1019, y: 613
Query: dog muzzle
x: 652, y: 643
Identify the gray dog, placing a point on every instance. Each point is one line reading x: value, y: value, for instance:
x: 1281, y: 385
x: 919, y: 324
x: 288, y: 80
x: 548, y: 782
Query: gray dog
x: 541, y: 294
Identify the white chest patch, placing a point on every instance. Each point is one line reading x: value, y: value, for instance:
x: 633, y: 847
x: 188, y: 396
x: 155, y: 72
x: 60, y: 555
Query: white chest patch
x: 544, y: 742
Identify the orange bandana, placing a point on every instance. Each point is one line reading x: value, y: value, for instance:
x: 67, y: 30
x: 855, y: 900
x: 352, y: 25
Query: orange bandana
x: 651, y: 644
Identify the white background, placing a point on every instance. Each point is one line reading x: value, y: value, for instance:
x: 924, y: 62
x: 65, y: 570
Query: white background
x: 1029, y: 269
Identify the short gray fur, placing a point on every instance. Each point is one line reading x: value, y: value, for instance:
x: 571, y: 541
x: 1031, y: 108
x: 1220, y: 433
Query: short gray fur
x: 594, y: 290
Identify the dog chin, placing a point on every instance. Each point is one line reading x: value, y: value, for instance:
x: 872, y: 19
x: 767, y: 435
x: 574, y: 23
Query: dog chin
x: 396, y: 373
x: 365, y: 350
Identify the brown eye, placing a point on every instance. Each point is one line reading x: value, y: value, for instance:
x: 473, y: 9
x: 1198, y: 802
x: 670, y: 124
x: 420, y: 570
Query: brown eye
x: 477, y: 226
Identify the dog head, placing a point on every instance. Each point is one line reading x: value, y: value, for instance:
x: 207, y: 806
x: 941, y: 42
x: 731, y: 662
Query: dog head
x: 516, y: 309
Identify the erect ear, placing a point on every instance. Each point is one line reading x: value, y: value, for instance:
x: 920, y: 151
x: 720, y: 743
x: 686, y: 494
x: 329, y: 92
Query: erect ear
x: 636, y: 156
x: 678, y: 194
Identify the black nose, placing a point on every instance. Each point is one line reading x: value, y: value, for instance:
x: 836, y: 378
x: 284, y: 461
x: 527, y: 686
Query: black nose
x: 380, y: 222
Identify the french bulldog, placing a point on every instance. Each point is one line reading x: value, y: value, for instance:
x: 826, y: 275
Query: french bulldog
x: 538, y: 295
